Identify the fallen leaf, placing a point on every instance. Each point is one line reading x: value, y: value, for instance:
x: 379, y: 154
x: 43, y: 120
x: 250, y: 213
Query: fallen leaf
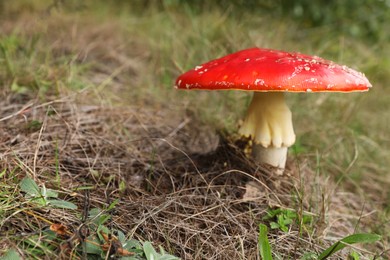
x: 59, y: 229
x: 114, y: 246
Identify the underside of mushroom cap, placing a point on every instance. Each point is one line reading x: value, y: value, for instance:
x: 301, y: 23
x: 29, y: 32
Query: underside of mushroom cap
x: 258, y: 69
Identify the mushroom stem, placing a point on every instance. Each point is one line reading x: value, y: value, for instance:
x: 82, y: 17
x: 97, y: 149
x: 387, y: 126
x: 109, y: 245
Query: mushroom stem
x: 269, y: 123
x: 271, y: 155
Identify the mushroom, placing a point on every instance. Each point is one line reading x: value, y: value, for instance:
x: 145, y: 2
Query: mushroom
x: 271, y: 73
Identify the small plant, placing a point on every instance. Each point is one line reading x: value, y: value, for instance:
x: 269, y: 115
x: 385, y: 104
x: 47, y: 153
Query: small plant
x: 283, y: 218
x: 104, y: 243
x: 100, y: 241
x: 43, y: 196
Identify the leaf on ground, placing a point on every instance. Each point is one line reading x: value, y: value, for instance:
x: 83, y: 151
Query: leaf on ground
x: 133, y: 245
x: 124, y: 252
x: 149, y: 251
x: 11, y: 255
x: 92, y: 245
x: 112, y: 243
x: 48, y: 193
x: 62, y: 204
x: 168, y: 257
x: 59, y: 229
x: 29, y: 186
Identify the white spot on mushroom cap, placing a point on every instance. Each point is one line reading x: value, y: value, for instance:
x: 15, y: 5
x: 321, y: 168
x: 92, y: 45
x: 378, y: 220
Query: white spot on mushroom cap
x: 309, y: 90
x: 259, y: 82
x: 224, y: 83
x: 198, y: 67
x: 179, y: 83
x: 297, y: 70
x: 247, y: 60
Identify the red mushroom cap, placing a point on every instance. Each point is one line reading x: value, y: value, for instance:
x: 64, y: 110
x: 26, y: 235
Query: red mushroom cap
x: 258, y: 69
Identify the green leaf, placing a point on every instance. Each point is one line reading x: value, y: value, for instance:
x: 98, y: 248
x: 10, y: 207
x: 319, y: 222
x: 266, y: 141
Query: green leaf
x: 272, y: 213
x: 113, y: 204
x: 121, y: 237
x: 102, y: 229
x: 92, y: 245
x: 309, y: 256
x: 149, y: 251
x: 129, y: 258
x: 40, y: 200
x: 168, y: 257
x: 284, y: 228
x: 354, y: 256
x: 264, y: 246
x: 100, y: 220
x: 11, y: 255
x: 62, y: 204
x: 274, y: 225
x: 349, y: 240
x: 29, y: 186
x: 3, y: 173
x: 48, y: 193
x: 94, y: 212
x: 132, y: 244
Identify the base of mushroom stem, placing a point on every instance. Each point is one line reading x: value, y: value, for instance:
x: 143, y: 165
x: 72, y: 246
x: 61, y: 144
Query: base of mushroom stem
x: 273, y: 156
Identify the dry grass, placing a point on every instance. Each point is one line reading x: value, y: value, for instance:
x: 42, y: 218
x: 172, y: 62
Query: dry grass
x: 179, y: 182
x: 198, y: 205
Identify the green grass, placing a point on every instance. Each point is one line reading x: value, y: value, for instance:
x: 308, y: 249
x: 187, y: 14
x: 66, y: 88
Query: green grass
x: 130, y: 56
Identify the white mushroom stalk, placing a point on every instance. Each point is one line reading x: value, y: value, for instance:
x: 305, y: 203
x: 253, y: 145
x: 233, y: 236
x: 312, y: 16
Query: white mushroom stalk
x: 268, y: 123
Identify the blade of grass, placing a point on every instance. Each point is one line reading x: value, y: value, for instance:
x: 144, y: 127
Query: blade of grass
x: 264, y: 246
x: 349, y: 240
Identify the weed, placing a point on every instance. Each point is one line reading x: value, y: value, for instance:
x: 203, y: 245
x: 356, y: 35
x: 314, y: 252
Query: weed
x: 283, y: 218
x: 43, y: 196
